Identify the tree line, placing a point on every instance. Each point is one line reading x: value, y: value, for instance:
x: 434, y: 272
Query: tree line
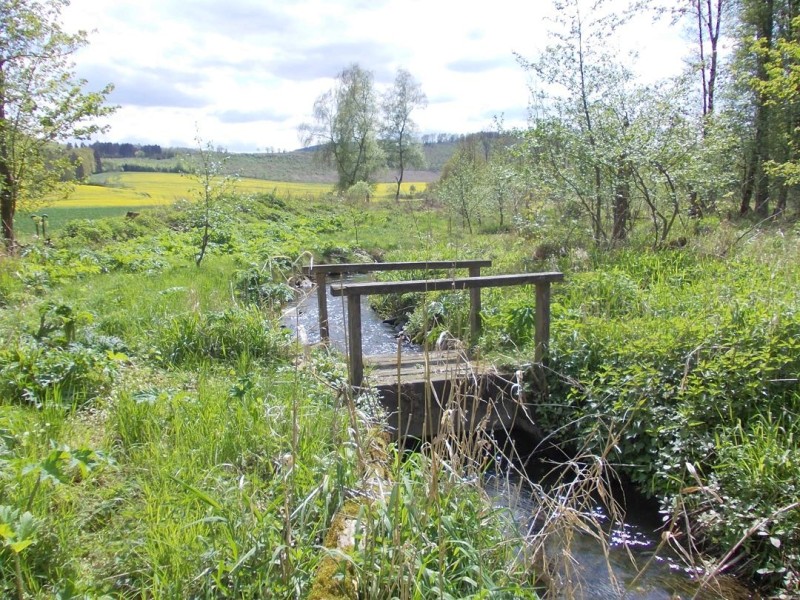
x: 612, y: 154
x: 128, y: 150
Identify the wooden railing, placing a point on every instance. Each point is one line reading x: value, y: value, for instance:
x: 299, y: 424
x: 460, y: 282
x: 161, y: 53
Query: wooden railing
x: 354, y: 291
x: 321, y: 272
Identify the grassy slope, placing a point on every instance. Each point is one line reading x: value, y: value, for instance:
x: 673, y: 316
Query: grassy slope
x: 298, y: 166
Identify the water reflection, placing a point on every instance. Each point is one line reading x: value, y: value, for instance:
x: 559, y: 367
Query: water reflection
x: 632, y: 565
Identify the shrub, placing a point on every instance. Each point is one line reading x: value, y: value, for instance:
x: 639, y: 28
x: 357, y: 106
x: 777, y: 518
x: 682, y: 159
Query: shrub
x: 257, y: 286
x: 35, y: 373
x: 194, y: 337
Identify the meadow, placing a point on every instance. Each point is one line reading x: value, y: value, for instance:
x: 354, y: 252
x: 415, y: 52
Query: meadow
x: 298, y: 166
x: 162, y: 436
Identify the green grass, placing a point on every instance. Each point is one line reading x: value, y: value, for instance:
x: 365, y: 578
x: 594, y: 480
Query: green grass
x: 58, y: 216
x: 168, y: 440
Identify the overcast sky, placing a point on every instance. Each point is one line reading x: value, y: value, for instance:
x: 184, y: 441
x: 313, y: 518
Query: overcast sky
x: 245, y: 73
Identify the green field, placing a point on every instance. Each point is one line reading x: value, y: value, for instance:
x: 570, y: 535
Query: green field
x: 149, y: 408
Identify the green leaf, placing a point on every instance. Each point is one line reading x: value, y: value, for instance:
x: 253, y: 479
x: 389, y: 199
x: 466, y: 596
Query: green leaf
x: 199, y: 494
x: 6, y: 532
x: 18, y: 547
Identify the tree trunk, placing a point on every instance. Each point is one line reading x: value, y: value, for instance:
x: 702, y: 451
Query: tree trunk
x: 401, y: 168
x: 756, y: 181
x: 622, y: 204
x: 7, y: 185
x: 7, y: 208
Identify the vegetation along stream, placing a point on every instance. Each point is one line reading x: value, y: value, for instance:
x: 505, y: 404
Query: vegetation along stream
x: 618, y: 555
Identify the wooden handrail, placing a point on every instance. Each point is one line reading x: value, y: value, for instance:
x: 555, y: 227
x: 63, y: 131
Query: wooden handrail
x: 394, y: 266
x: 367, y: 288
x: 321, y: 272
x: 354, y: 291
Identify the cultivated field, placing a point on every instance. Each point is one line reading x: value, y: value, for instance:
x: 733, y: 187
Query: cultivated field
x: 113, y: 194
x: 159, y: 189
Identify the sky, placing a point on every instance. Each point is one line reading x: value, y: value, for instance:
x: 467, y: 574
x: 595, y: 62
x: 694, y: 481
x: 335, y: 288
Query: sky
x: 244, y: 74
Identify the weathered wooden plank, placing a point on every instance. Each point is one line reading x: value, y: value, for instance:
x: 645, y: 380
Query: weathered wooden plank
x: 437, y: 285
x: 474, y: 307
x: 395, y: 266
x: 439, y: 367
x: 379, y: 360
x: 322, y: 304
x: 542, y: 332
x: 354, y: 339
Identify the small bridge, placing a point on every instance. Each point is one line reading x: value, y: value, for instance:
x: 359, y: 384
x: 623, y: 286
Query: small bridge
x: 404, y: 381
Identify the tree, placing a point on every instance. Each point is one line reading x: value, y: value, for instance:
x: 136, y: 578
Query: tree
x: 399, y: 130
x: 582, y: 112
x: 759, y: 20
x: 213, y: 185
x: 41, y: 102
x: 355, y: 197
x: 346, y: 125
x: 780, y: 91
x: 461, y: 186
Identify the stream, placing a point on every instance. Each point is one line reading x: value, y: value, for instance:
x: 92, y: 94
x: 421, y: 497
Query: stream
x: 592, y: 572
x: 377, y: 337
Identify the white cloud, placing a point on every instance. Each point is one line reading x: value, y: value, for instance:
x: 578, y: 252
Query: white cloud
x: 246, y: 72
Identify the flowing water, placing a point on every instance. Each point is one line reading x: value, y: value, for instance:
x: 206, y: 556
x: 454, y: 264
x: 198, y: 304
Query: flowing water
x: 628, y: 565
x: 592, y: 571
x: 377, y: 337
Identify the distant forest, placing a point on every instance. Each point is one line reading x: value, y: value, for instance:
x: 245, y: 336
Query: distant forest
x: 127, y: 150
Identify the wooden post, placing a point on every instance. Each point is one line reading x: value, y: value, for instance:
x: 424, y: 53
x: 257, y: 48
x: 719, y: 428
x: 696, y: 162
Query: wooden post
x: 322, y: 303
x: 474, y: 307
x: 542, y: 334
x: 354, y: 339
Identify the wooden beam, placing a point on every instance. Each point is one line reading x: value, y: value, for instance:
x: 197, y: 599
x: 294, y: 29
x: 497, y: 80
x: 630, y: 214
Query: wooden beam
x: 437, y: 285
x: 474, y: 307
x: 322, y: 303
x: 395, y: 266
x: 356, y: 365
x: 542, y: 333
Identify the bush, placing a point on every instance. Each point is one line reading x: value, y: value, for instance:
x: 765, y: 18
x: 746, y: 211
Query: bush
x: 35, y: 373
x: 257, y: 286
x: 194, y: 338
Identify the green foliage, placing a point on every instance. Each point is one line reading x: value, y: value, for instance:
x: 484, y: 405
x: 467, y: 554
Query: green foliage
x: 258, y: 286
x: 55, y: 363
x: 755, y: 477
x: 346, y: 127
x: 460, y: 549
x: 17, y: 528
x: 42, y: 103
x: 196, y: 338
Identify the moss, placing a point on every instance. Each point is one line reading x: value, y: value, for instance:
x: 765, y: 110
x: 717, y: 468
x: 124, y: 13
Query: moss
x: 334, y: 579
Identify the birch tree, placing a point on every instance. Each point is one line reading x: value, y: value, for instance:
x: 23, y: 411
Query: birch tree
x: 345, y: 125
x: 399, y: 131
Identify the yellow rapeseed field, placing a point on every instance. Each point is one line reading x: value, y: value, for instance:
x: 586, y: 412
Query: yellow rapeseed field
x: 156, y: 189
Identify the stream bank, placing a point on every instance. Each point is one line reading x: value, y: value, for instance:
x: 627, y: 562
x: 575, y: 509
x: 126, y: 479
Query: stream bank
x: 622, y: 558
